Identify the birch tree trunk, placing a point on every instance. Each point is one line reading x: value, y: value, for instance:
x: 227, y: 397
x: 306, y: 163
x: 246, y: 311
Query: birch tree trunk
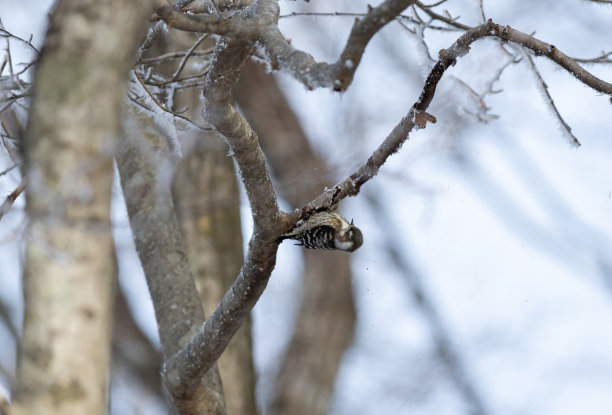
x: 69, y: 144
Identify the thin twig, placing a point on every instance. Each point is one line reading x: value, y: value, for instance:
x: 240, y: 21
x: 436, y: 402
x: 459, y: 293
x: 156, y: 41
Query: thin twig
x: 10, y: 199
x: 163, y: 107
x: 417, y: 116
x: 174, y: 55
x: 187, y: 55
x: 603, y: 58
x: 548, y: 100
x: 436, y: 16
x: 166, y: 82
x: 399, y: 18
x: 6, y: 34
x: 482, y: 12
x: 2, y: 173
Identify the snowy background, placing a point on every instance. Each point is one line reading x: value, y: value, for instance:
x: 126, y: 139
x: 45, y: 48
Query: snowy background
x: 508, y: 228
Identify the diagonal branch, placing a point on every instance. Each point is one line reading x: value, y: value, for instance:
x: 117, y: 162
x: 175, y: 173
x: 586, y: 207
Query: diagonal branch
x: 418, y: 117
x: 548, y: 100
x: 10, y: 199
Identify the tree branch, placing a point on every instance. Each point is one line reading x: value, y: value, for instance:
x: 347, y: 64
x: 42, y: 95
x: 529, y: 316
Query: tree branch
x: 260, y: 23
x: 548, y: 100
x: 242, y: 25
x: 304, y: 68
x: 10, y: 199
x: 146, y: 174
x: 418, y: 117
x: 186, y: 366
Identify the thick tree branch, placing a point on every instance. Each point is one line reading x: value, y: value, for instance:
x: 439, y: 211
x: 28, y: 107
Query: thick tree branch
x: 260, y: 22
x: 184, y: 368
x: 241, y: 25
x: 146, y: 174
x: 338, y: 75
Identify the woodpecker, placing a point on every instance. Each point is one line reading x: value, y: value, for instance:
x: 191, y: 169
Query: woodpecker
x: 326, y: 230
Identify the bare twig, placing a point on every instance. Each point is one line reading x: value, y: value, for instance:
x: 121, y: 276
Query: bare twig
x: 603, y: 58
x: 187, y: 55
x: 573, y: 141
x: 179, y: 81
x: 8, y: 35
x: 10, y: 199
x: 450, y: 21
x: 174, y: 55
x: 482, y: 12
x: 2, y: 173
x: 400, y: 18
x: 164, y: 108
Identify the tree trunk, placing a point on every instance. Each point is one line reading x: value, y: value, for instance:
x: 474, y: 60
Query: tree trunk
x: 146, y: 171
x: 206, y: 193
x: 69, y: 143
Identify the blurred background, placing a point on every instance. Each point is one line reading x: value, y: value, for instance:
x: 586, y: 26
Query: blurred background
x: 484, y: 285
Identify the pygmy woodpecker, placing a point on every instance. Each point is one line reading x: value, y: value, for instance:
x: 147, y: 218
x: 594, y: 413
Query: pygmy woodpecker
x: 326, y: 230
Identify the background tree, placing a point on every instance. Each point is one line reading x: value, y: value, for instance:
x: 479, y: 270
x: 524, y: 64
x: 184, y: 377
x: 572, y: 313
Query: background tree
x: 185, y: 231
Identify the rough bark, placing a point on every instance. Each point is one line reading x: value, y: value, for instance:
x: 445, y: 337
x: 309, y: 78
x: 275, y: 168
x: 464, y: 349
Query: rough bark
x: 268, y: 223
x: 146, y: 172
x: 206, y: 194
x: 207, y: 201
x: 325, y: 321
x: 69, y: 143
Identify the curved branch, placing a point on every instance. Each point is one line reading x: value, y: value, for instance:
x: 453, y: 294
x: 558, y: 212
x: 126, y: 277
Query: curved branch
x: 184, y: 369
x: 418, y: 117
x: 303, y: 67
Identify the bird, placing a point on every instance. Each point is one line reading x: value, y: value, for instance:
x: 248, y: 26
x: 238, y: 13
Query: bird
x: 326, y: 230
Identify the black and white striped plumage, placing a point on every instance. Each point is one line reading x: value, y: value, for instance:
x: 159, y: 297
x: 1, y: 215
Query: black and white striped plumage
x: 326, y: 230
